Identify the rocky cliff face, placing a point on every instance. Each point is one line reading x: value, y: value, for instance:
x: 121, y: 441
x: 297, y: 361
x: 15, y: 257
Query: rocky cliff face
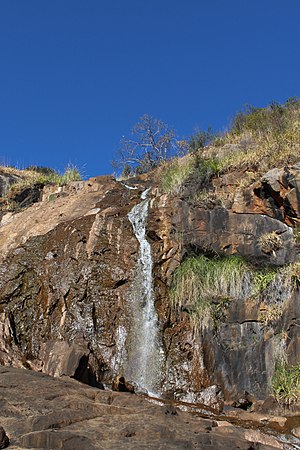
x: 69, y: 264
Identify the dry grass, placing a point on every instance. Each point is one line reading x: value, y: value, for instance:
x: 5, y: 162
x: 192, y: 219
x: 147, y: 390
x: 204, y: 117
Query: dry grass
x: 49, y: 176
x: 263, y: 139
x: 270, y: 242
x: 17, y: 172
x: 259, y: 139
x: 39, y: 176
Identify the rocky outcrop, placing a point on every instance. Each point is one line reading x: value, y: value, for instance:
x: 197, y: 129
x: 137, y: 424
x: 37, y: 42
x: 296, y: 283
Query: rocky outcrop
x: 275, y: 194
x: 38, y: 411
x: 67, y: 267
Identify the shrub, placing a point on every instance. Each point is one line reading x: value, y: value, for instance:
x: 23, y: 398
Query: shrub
x: 41, y: 169
x: 200, y: 139
x: 179, y: 170
x: 267, y: 135
x: 208, y: 167
x: 272, y: 118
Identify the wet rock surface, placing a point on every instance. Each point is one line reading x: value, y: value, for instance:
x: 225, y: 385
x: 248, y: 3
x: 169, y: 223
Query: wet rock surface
x: 38, y: 411
x: 67, y: 267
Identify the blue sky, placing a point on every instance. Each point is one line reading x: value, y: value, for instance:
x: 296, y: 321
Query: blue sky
x: 76, y: 75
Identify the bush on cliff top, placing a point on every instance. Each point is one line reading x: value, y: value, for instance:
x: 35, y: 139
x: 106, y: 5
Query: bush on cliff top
x: 263, y: 137
x: 258, y: 139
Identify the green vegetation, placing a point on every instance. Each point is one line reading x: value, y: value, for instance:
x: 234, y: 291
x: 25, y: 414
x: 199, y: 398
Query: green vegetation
x: 296, y: 231
x: 204, y: 286
x: 200, y: 139
x: 176, y: 173
x: 257, y: 140
x: 275, y: 118
x: 285, y: 383
x: 291, y: 274
x: 263, y: 278
x: 269, y: 135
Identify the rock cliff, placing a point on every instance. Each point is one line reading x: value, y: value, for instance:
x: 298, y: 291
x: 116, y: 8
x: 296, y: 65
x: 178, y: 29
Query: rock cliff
x: 69, y: 265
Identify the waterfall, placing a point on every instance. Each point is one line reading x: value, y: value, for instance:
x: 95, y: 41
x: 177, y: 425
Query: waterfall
x: 145, y: 350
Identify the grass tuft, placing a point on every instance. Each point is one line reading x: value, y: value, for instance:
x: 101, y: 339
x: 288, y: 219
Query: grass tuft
x: 175, y: 173
x: 202, y: 286
x: 285, y: 383
x: 44, y: 175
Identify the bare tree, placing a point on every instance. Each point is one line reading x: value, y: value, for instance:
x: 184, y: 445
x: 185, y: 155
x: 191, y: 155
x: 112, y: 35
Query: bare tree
x: 151, y: 142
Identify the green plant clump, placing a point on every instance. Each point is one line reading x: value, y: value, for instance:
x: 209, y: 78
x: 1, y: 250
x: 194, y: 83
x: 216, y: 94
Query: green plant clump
x: 178, y: 171
x: 263, y: 278
x: 175, y: 174
x: 285, y: 383
x: 201, y: 284
x: 209, y: 167
x: 274, y: 118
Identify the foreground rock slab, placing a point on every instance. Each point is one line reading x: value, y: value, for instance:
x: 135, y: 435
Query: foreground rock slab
x: 41, y: 412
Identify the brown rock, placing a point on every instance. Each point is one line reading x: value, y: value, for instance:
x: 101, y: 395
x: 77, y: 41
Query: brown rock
x: 121, y: 385
x: 44, y: 412
x: 261, y: 438
x: 296, y: 432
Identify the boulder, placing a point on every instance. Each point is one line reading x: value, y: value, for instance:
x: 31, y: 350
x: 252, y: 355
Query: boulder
x: 63, y: 359
x: 121, y: 385
x: 213, y: 397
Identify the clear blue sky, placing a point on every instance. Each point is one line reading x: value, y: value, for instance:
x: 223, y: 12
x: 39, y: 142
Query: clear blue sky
x: 75, y: 75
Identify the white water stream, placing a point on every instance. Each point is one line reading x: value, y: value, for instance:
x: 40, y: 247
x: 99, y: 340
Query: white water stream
x: 146, y: 353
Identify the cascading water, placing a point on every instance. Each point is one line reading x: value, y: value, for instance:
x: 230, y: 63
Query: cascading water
x: 145, y: 352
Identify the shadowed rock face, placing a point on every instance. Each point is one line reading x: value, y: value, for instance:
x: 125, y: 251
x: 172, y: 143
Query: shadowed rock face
x: 67, y: 265
x: 38, y: 411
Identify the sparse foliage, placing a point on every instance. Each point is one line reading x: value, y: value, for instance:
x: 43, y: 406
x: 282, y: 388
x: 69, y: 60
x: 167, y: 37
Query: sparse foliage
x: 200, y: 139
x: 150, y: 143
x: 274, y: 118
